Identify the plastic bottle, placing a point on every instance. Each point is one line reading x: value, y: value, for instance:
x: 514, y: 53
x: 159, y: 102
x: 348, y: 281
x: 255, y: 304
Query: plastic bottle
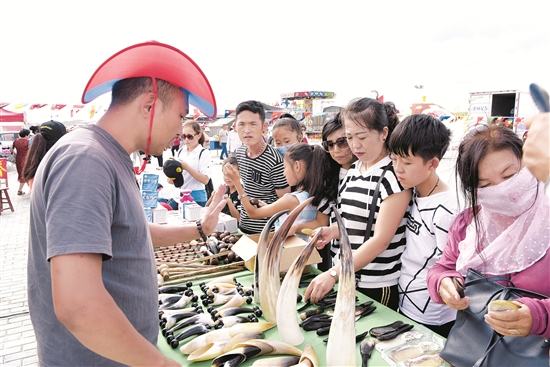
x: 186, y: 199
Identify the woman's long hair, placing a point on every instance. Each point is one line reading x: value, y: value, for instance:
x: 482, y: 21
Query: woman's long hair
x: 37, y: 151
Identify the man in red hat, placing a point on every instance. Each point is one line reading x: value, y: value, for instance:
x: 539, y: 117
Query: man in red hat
x: 92, y: 282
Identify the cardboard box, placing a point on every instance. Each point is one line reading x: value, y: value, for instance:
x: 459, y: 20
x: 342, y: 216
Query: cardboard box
x: 160, y: 215
x: 220, y: 227
x: 229, y: 223
x: 225, y: 222
x: 247, y: 247
x: 192, y: 211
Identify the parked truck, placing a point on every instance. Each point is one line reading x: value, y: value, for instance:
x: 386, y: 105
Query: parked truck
x: 506, y: 107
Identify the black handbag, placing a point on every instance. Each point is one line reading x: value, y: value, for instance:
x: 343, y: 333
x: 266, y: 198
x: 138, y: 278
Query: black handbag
x: 472, y: 342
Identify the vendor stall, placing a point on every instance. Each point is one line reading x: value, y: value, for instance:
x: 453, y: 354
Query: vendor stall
x: 303, y: 107
x: 215, y: 144
x: 404, y: 347
x: 9, y: 116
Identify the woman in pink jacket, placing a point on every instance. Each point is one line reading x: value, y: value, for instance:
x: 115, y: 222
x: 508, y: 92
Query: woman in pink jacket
x: 505, y: 231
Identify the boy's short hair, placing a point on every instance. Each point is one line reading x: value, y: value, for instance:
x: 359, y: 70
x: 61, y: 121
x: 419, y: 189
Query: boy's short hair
x: 422, y: 136
x: 252, y: 106
x: 232, y: 161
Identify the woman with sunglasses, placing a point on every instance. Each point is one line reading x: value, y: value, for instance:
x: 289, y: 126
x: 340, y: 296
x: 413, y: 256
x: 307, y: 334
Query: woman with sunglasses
x: 373, y: 205
x: 340, y: 159
x: 195, y: 162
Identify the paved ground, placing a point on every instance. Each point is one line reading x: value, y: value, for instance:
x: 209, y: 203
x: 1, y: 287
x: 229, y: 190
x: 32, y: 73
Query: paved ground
x: 17, y: 341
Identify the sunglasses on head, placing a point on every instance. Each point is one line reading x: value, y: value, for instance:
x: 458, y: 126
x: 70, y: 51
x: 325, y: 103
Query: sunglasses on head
x: 341, y: 143
x: 188, y: 136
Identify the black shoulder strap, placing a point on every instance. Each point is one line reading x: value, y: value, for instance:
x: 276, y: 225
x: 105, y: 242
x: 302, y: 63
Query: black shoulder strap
x: 203, y: 149
x: 372, y: 207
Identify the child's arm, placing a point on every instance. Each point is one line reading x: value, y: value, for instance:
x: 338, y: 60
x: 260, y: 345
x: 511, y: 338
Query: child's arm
x: 234, y: 211
x: 210, y: 200
x: 281, y: 192
x: 288, y: 202
x: 391, y: 213
x: 321, y: 220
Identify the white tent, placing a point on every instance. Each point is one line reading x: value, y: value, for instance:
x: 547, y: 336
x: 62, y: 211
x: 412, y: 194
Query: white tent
x: 221, y: 122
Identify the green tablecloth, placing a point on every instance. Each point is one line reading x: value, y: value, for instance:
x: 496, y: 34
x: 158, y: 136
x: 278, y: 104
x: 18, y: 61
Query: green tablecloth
x: 381, y: 316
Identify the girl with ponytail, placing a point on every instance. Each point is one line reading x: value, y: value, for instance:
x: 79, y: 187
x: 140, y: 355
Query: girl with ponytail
x: 306, y: 167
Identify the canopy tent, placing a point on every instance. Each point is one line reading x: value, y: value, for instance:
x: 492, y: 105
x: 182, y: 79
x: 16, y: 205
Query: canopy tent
x: 431, y: 109
x: 8, y: 116
x: 221, y: 122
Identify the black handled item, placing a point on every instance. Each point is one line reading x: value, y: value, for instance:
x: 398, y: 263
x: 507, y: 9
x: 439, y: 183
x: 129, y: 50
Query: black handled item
x: 540, y: 97
x: 542, y: 101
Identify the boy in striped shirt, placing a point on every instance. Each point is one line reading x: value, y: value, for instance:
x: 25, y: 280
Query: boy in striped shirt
x: 260, y: 164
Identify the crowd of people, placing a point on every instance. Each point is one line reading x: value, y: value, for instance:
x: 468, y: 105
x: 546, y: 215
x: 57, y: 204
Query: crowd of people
x: 28, y: 155
x: 400, y: 216
x: 412, y: 241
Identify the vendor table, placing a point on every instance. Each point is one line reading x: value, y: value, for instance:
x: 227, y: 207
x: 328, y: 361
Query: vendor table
x: 381, y: 316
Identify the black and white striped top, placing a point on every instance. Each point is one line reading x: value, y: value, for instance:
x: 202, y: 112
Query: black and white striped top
x: 325, y: 208
x: 260, y: 176
x: 354, y: 200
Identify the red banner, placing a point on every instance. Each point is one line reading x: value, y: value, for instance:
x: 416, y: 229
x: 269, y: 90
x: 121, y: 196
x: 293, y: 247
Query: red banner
x: 37, y: 106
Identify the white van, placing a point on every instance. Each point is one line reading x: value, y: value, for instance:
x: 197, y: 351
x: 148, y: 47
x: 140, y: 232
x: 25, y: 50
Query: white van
x: 7, y: 138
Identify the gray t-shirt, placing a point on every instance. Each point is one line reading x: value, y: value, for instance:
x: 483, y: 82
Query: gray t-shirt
x: 85, y: 200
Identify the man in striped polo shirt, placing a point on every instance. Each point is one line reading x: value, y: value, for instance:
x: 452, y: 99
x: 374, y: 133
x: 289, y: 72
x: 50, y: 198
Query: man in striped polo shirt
x: 260, y: 165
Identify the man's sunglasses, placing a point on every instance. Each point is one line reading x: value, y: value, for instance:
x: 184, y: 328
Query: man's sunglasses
x: 341, y: 143
x: 188, y: 136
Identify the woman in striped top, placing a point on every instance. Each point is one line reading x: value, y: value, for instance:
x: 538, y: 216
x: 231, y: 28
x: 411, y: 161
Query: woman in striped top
x: 370, y: 186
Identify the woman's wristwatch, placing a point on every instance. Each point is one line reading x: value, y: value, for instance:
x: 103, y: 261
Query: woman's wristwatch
x: 333, y: 274
x: 242, y: 196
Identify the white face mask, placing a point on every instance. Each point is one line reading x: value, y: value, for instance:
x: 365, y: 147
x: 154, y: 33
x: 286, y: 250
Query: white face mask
x: 512, y: 197
x: 514, y: 227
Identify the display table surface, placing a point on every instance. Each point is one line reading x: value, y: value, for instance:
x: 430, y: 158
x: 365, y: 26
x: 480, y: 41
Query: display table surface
x: 381, y: 316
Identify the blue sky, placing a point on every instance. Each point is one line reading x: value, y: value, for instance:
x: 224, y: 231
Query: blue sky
x: 260, y: 49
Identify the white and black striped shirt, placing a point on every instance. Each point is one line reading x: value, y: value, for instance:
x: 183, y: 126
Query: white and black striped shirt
x: 261, y: 176
x: 354, y: 201
x: 325, y: 208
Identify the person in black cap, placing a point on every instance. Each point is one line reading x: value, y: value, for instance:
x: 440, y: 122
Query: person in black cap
x: 47, y: 135
x: 174, y: 171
